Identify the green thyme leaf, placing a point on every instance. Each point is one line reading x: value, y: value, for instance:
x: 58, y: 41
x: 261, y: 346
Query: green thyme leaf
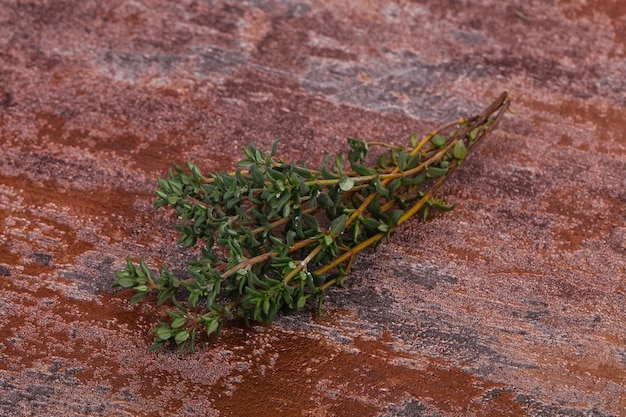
x: 459, y: 151
x: 338, y: 225
x: 346, y: 184
x: 438, y: 141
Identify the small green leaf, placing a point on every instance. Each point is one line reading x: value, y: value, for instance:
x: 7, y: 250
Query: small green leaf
x: 394, y: 216
x: 213, y: 326
x: 326, y: 174
x: 165, y: 295
x: 163, y: 333
x: 414, y: 161
x: 393, y: 186
x: 346, y: 184
x: 374, y: 207
x: 338, y: 225
x: 438, y: 141
x: 310, y: 221
x: 363, y: 170
x: 474, y: 133
x: 193, y: 299
x: 338, y: 163
x: 192, y: 341
x: 257, y: 176
x: 413, y: 140
x: 130, y: 266
x: 370, y: 223
x: 382, y: 191
x: 275, y: 147
x: 181, y: 337
x: 403, y: 158
x: 137, y: 298
x: 439, y: 205
x: 301, y: 302
x: 324, y: 200
x: 417, y: 180
x: 145, y: 268
x: 178, y: 322
x: 358, y: 151
x: 381, y: 162
x: 157, y: 345
x: 434, y: 172
x: 126, y: 282
x: 459, y: 151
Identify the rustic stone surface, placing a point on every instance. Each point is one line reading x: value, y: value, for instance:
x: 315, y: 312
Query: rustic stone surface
x: 512, y: 304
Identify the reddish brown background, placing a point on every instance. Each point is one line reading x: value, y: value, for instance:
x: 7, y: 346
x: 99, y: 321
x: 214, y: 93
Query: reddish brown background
x: 513, y: 304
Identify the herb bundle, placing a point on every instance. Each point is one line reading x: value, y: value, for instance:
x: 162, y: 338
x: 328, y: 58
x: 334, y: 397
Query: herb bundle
x: 274, y: 235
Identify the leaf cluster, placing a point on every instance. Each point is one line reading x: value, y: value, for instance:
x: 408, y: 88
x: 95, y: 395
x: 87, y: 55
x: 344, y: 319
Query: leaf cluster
x: 273, y: 236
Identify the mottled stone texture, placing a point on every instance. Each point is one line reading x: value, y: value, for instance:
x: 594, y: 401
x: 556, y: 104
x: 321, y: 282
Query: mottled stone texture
x: 513, y: 304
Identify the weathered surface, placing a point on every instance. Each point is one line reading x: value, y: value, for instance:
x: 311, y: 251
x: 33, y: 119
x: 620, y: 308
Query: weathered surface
x: 512, y: 304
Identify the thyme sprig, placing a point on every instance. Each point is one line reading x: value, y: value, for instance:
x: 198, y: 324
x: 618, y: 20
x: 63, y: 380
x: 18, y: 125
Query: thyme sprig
x: 274, y: 235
